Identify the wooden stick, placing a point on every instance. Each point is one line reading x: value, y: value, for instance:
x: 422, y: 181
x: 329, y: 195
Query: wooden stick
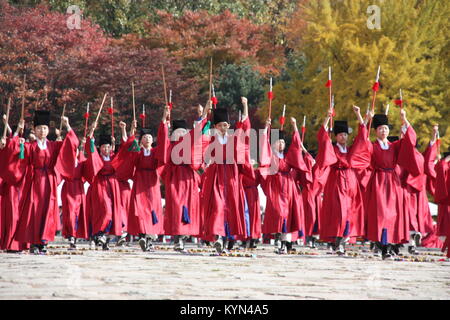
x: 64, y: 111
x: 23, y: 97
x: 164, y: 84
x: 101, y: 107
x: 134, y: 103
x: 112, y: 117
x: 210, y: 77
x: 86, y: 121
x: 7, y: 117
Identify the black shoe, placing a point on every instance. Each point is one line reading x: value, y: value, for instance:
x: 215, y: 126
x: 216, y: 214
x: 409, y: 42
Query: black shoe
x: 230, y: 244
x: 412, y: 250
x: 34, y: 249
x: 72, y: 243
x: 143, y: 244
x: 43, y: 248
x: 122, y: 240
x: 385, y: 252
x: 395, y: 250
x: 418, y: 239
x: 253, y: 243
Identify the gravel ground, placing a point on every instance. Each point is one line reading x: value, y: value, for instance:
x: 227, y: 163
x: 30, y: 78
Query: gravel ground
x: 128, y: 273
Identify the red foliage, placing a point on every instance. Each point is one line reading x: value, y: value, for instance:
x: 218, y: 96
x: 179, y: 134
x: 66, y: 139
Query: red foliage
x: 77, y: 66
x: 197, y: 36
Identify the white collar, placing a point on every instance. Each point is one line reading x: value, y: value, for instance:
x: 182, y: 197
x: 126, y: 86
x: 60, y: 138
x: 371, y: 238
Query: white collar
x: 106, y: 158
x: 42, y: 145
x: 279, y: 154
x: 147, y: 152
x: 342, y: 149
x: 384, y: 146
x: 222, y: 139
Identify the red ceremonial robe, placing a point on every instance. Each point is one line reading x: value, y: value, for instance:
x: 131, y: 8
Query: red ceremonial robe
x: 416, y: 201
x: 74, y: 214
x: 387, y: 221
x: 181, y: 180
x: 342, y: 213
x: 39, y: 211
x: 105, y: 211
x: 284, y: 208
x: 442, y: 198
x: 146, y: 213
x: 311, y: 195
x: 11, y: 185
x: 222, y: 194
x: 429, y: 156
x: 250, y: 181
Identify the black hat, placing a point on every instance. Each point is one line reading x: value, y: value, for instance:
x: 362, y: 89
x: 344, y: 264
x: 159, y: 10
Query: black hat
x: 41, y: 117
x: 221, y: 115
x: 446, y: 154
x: 281, y: 135
x: 380, y: 120
x: 104, y: 139
x: 145, y: 131
x: 393, y: 138
x: 177, y: 124
x: 340, y: 126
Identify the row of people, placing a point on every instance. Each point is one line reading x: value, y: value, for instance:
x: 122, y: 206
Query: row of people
x: 371, y: 190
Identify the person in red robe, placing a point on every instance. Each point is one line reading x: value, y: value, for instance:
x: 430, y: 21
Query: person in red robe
x: 416, y: 203
x: 182, y: 182
x: 387, y: 222
x: 222, y: 194
x: 342, y: 214
x: 73, y: 197
x: 145, y: 218
x: 250, y: 181
x: 39, y: 211
x: 11, y: 185
x: 284, y: 208
x: 431, y: 158
x: 312, y: 198
x: 125, y: 191
x: 105, y: 211
x: 442, y: 198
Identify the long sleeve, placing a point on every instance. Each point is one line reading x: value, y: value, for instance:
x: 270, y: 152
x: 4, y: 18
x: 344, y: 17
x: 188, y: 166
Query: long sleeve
x: 162, y: 148
x: 65, y: 164
x: 265, y: 149
x: 124, y: 161
x: 93, y: 163
x: 429, y: 158
x: 360, y: 153
x: 12, y: 169
x: 294, y: 155
x: 407, y: 157
x: 326, y: 156
x: 442, y: 193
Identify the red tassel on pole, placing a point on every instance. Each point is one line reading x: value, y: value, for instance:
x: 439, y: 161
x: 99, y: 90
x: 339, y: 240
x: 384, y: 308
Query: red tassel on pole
x: 270, y: 96
x: 375, y: 88
x: 86, y: 117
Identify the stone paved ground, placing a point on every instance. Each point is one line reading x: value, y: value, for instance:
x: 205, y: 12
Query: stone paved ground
x: 128, y: 273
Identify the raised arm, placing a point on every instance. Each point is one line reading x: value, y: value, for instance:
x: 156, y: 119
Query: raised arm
x: 245, y: 108
x: 357, y: 111
x: 123, y: 130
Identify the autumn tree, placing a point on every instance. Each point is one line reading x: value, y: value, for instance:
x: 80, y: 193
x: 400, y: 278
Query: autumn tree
x: 411, y: 46
x: 73, y: 67
x: 196, y: 36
